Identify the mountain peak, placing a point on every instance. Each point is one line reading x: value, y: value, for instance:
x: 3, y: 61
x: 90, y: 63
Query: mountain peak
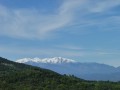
x: 54, y: 60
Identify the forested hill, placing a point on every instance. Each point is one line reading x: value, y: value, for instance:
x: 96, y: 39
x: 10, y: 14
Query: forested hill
x: 16, y: 76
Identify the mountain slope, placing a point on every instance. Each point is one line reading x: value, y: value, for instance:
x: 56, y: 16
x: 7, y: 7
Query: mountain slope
x: 88, y: 71
x: 16, y: 76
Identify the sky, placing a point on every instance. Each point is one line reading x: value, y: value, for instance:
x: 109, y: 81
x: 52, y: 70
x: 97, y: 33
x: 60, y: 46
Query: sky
x: 83, y: 30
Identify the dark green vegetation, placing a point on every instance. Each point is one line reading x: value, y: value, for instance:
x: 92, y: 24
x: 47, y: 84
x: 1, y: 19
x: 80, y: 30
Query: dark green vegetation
x: 15, y: 76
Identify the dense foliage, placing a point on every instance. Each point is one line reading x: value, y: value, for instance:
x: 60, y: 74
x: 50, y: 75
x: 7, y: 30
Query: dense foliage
x: 15, y: 76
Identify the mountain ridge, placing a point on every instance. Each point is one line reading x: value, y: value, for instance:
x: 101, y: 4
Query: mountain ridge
x: 81, y: 70
x: 19, y: 76
x: 54, y: 60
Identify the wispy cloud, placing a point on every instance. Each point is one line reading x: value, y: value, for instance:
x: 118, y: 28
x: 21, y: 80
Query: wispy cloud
x: 104, y: 5
x: 69, y: 47
x: 27, y: 23
x: 63, y: 51
x: 39, y: 52
x: 14, y: 52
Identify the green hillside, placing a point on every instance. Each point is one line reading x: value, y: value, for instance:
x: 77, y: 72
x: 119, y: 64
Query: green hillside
x: 15, y: 76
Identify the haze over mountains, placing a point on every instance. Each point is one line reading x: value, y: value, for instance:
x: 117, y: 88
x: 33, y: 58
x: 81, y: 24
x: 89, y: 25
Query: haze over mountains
x: 88, y: 71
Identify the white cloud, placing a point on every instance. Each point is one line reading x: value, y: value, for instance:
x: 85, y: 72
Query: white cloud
x: 27, y: 23
x: 104, y: 5
x: 31, y: 24
x: 69, y: 47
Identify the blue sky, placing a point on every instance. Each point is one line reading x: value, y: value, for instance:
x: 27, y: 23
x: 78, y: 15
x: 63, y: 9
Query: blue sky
x: 84, y: 30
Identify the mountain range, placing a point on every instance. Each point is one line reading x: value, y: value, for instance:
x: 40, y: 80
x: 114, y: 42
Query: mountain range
x: 19, y: 76
x: 88, y: 71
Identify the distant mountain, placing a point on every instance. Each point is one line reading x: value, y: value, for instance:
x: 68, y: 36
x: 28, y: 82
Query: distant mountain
x: 55, y: 60
x: 88, y: 71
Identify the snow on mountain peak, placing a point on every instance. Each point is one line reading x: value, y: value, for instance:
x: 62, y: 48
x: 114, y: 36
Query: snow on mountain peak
x: 54, y: 60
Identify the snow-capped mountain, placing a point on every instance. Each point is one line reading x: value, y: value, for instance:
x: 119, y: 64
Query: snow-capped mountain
x: 55, y: 60
x: 89, y: 71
